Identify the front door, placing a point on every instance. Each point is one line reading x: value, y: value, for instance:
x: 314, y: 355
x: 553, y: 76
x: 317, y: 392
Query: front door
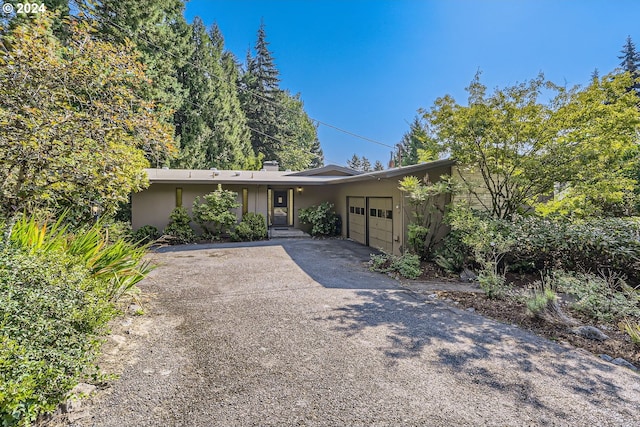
x: 280, y: 208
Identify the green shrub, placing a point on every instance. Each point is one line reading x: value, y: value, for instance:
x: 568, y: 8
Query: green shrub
x: 58, y: 290
x: 145, y: 234
x: 452, y: 254
x: 632, y: 329
x: 322, y: 218
x: 605, y: 298
x: 493, y: 284
x: 179, y: 226
x: 213, y: 211
x: 118, y: 230
x: 252, y: 227
x: 540, y: 300
x: 407, y: 265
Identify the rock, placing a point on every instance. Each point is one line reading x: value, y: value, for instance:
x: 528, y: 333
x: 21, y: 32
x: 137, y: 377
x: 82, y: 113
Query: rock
x: 135, y: 309
x: 432, y: 296
x: 606, y: 357
x: 83, y: 389
x: 73, y: 403
x: 471, y: 309
x: 468, y: 275
x: 621, y: 362
x: 590, y: 332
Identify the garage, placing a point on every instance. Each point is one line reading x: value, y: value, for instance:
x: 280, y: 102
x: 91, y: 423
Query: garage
x: 357, y: 219
x: 380, y: 226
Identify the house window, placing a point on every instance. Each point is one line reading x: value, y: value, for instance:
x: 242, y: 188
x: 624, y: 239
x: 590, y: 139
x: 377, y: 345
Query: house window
x: 389, y: 215
x: 178, y: 197
x: 245, y: 201
x: 372, y: 212
x: 380, y: 213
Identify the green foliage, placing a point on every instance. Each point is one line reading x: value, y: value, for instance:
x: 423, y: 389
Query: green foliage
x: 632, y: 328
x: 145, y: 234
x: 211, y: 124
x: 58, y: 290
x: 489, y: 239
x: 604, y: 297
x: 179, y: 226
x: 452, y: 254
x: 520, y: 147
x: 417, y: 146
x: 493, y: 284
x: 213, y: 211
x: 540, y: 300
x: 322, y: 218
x: 407, y: 265
x: 75, y: 126
x: 252, y: 227
x: 428, y: 202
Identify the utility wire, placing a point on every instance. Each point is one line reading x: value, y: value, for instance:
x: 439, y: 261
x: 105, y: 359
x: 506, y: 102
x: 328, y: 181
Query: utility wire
x: 252, y: 93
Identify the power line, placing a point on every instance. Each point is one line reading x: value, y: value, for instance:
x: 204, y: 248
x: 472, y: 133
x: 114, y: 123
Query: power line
x: 252, y: 93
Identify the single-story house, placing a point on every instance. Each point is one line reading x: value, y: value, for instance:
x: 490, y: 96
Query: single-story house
x: 373, y: 210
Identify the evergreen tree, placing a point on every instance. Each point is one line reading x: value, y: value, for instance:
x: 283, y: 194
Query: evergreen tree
x: 261, y: 97
x: 162, y: 36
x: 366, y: 165
x: 416, y: 146
x: 354, y: 163
x: 299, y: 135
x: 631, y: 63
x: 211, y: 125
x: 378, y: 166
x: 318, y: 156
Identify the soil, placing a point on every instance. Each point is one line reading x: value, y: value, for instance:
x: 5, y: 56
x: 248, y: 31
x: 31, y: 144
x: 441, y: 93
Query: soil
x: 515, y: 312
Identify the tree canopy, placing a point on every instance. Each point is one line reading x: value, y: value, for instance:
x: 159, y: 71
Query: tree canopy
x: 76, y: 127
x: 522, y: 146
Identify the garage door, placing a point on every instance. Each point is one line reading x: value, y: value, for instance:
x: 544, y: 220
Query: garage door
x: 381, y: 223
x: 357, y: 220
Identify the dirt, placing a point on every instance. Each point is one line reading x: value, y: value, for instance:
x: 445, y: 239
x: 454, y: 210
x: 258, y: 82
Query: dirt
x: 514, y: 312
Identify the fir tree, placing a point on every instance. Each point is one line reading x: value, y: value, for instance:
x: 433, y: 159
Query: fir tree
x: 211, y: 124
x: 162, y: 36
x: 378, y: 166
x: 354, y: 163
x: 631, y: 63
x: 260, y: 98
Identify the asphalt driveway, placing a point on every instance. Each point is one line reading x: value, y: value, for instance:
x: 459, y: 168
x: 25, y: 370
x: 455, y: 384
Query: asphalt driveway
x: 299, y: 332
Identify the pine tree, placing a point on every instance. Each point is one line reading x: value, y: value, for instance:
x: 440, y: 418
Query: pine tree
x: 631, y: 63
x: 261, y: 97
x: 378, y: 166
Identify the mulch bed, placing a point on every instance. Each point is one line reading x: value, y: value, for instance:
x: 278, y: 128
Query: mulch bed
x: 515, y: 312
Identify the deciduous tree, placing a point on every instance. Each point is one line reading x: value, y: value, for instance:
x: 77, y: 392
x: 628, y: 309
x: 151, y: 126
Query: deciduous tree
x: 75, y: 126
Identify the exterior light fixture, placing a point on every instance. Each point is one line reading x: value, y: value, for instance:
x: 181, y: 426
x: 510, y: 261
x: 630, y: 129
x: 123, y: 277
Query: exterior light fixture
x: 299, y: 190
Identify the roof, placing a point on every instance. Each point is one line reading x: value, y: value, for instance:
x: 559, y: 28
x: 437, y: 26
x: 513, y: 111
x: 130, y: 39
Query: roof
x: 212, y: 176
x: 329, y: 170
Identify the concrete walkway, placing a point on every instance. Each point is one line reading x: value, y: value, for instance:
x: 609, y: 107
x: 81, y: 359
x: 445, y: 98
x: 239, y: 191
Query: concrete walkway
x: 299, y: 332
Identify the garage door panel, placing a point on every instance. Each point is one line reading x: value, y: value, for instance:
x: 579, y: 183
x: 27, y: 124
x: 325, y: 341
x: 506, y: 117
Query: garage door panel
x: 380, y: 227
x: 357, y: 219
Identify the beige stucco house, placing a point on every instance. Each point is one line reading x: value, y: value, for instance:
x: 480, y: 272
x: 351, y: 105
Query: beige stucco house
x: 372, y: 208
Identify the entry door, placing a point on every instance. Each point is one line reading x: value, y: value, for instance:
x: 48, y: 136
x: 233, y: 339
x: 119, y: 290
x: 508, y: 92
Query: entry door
x: 280, y: 208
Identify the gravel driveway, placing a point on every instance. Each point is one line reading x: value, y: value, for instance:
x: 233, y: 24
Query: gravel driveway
x: 298, y: 332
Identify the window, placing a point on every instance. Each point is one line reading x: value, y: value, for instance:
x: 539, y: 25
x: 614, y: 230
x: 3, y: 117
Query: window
x: 352, y: 209
x: 380, y: 213
x: 389, y: 215
x: 245, y: 201
x: 372, y: 212
x: 178, y: 197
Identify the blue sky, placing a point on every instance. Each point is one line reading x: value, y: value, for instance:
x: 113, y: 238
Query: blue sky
x: 367, y: 66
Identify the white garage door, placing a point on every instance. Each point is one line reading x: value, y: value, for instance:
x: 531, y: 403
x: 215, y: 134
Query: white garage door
x: 381, y: 223
x: 357, y: 220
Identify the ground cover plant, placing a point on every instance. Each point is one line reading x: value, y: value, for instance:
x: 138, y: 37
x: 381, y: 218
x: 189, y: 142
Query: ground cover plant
x: 58, y: 289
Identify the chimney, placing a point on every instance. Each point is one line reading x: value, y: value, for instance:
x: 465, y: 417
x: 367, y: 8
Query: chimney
x: 270, y: 166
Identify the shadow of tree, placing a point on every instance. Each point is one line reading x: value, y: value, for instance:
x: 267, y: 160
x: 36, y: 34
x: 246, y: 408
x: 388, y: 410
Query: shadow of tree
x: 477, y: 350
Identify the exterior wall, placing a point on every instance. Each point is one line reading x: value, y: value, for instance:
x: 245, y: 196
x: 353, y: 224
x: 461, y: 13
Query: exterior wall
x: 154, y: 205
x: 386, y: 187
x: 475, y: 180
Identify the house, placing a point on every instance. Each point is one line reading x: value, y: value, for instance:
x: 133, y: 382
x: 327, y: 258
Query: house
x: 372, y: 208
